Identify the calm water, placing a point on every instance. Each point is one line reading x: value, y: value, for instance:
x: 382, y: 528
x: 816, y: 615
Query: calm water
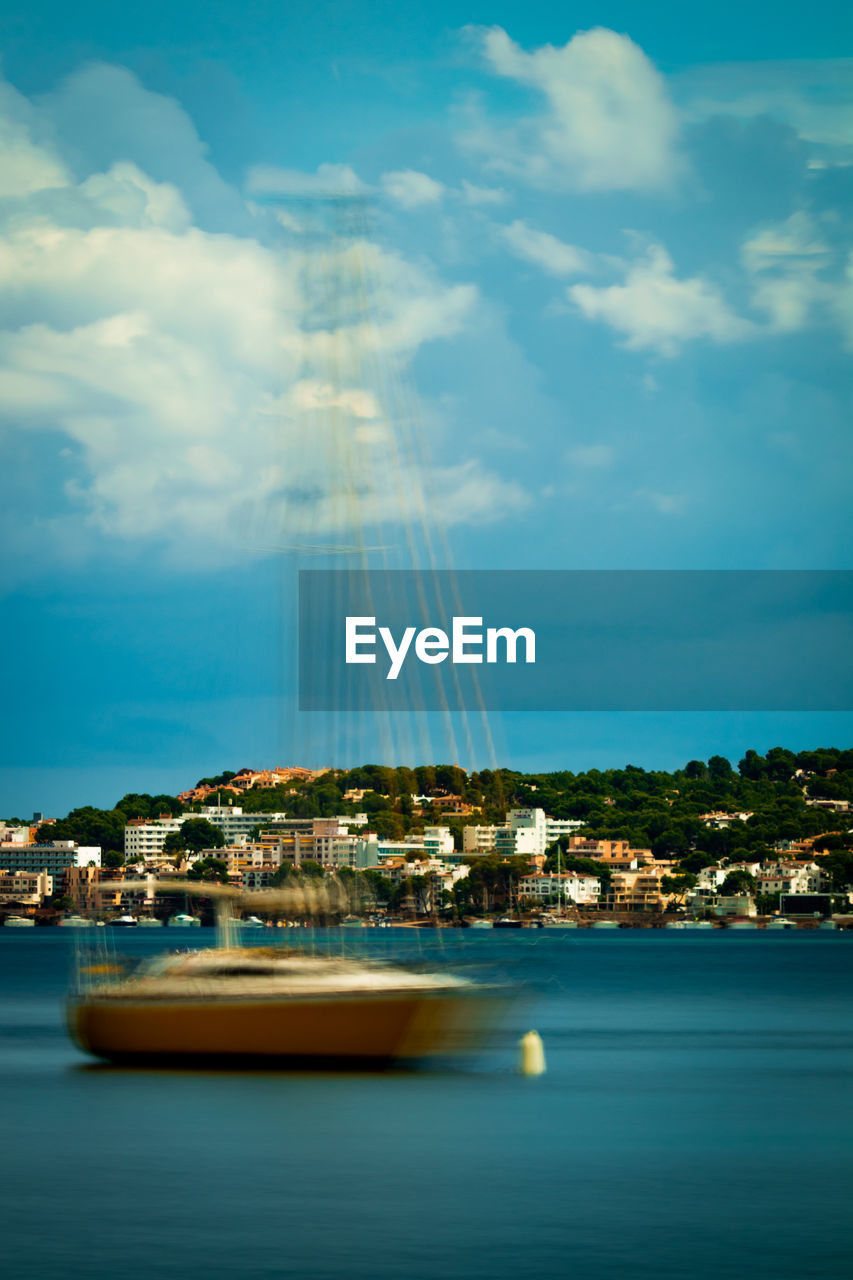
x: 695, y: 1120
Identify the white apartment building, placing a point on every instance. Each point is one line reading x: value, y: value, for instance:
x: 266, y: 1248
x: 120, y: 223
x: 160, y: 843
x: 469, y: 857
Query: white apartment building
x: 569, y: 886
x: 792, y: 877
x: 145, y: 839
x: 438, y: 842
x: 556, y: 827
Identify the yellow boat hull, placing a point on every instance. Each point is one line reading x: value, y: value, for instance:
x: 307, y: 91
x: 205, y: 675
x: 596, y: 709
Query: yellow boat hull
x: 367, y: 1027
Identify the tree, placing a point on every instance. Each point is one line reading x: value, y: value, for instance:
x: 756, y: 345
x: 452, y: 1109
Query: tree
x: 679, y: 885
x: 737, y: 882
x: 210, y: 869
x: 720, y: 769
x: 112, y: 859
x: 194, y: 835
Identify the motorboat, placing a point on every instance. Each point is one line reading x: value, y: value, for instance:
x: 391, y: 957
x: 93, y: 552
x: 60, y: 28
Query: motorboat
x: 124, y: 922
x: 183, y: 920
x: 780, y: 923
x: 605, y: 924
x: 19, y: 922
x: 480, y: 924
x: 149, y: 922
x: 76, y: 922
x: 508, y: 922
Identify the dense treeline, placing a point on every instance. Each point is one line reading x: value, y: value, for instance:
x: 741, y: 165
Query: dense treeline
x: 650, y: 808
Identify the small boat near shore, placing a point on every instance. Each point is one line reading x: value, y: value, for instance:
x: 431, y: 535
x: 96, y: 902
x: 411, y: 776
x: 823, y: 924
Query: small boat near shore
x: 76, y: 922
x: 19, y: 922
x: 124, y: 922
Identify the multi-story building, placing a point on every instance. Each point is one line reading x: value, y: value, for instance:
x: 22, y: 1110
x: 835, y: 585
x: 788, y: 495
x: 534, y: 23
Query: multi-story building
x: 144, y: 837
x: 29, y: 888
x: 617, y: 854
x: 557, y: 827
x: 52, y: 856
x: 478, y: 841
x: 639, y: 890
x: 569, y: 886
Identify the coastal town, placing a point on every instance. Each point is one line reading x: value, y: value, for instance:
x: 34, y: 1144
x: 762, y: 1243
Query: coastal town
x: 448, y: 855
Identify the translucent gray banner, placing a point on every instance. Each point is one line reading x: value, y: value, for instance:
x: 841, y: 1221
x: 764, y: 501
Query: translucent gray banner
x: 576, y: 640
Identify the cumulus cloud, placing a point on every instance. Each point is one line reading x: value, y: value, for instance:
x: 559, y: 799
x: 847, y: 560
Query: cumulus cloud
x: 206, y: 399
x: 554, y: 256
x: 655, y: 309
x: 412, y: 190
x: 786, y: 261
x: 608, y: 124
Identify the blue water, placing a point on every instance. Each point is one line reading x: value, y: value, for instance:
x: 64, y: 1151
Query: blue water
x: 696, y: 1120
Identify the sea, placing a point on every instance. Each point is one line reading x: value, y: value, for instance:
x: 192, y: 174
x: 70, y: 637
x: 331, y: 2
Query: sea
x: 695, y: 1120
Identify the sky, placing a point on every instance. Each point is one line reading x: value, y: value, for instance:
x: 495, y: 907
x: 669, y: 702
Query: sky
x: 592, y: 308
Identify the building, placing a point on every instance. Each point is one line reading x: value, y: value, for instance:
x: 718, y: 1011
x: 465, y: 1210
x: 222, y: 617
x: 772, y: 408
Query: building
x: 568, y: 886
x: 144, y: 837
x: 27, y: 888
x: 477, y: 842
x: 52, y: 856
x: 617, y: 854
x: 557, y: 827
x: 639, y: 890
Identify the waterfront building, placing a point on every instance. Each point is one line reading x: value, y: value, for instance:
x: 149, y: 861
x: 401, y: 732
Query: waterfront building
x: 568, y: 886
x: 28, y: 888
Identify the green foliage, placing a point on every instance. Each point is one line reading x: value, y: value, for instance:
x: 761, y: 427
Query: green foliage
x: 737, y: 882
x: 112, y: 859
x: 194, y: 835
x: 651, y: 809
x: 210, y: 869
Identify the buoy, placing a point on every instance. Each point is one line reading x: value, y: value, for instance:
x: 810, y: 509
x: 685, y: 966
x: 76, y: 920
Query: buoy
x: 532, y: 1057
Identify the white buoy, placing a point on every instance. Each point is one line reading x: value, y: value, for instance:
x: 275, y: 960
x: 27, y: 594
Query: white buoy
x: 532, y: 1054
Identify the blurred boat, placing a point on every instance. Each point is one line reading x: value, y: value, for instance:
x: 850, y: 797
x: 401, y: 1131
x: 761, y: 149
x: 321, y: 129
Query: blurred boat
x: 124, y: 922
x: 257, y: 1005
x: 19, y: 922
x: 76, y: 922
x: 480, y: 924
x: 553, y: 920
x: 183, y: 920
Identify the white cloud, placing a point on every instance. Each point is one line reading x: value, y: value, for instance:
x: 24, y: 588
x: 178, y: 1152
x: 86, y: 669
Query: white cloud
x: 655, y: 309
x: 609, y: 124
x: 785, y: 261
x: 554, y: 256
x: 201, y: 407
x: 472, y: 194
x: 26, y: 165
x: 412, y: 190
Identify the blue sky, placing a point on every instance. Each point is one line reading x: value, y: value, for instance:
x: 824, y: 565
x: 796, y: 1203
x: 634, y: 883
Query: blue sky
x: 610, y: 251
